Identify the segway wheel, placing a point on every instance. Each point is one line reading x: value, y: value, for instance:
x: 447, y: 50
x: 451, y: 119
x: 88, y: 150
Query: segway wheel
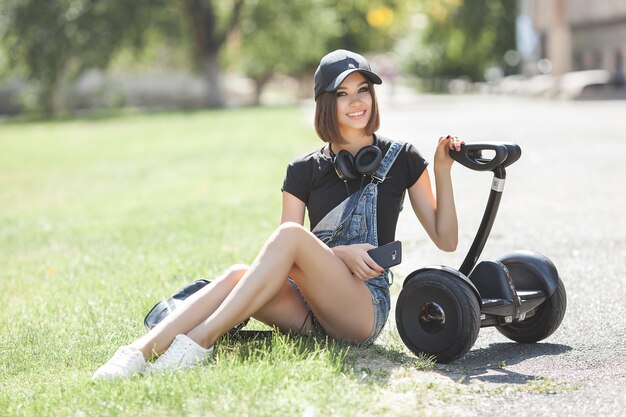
x: 438, y: 315
x: 543, y: 323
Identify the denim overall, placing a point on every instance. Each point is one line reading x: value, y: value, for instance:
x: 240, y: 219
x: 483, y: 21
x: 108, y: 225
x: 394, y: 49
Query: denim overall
x: 354, y: 221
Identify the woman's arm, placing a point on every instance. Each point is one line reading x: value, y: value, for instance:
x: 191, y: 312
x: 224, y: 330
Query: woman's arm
x: 355, y: 257
x: 437, y: 214
x: 293, y: 209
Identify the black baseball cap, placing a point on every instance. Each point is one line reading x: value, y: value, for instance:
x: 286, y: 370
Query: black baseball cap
x: 336, y: 66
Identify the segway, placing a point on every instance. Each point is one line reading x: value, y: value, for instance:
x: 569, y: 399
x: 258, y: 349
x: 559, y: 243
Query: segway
x: 440, y: 309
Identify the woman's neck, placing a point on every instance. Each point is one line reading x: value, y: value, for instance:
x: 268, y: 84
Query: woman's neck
x: 353, y: 143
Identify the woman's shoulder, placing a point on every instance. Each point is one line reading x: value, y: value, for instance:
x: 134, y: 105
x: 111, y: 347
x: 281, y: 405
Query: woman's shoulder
x: 313, y: 156
x: 308, y: 164
x: 409, y: 157
x: 385, y: 143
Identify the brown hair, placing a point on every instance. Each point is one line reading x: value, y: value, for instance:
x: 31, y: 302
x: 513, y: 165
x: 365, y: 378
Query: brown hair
x: 326, y: 122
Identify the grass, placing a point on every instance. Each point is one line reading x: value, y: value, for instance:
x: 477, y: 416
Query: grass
x: 543, y: 385
x: 101, y: 217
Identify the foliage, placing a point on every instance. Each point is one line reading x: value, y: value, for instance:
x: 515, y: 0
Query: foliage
x: 49, y: 40
x: 463, y: 38
x: 369, y: 26
x: 288, y: 38
x: 285, y: 38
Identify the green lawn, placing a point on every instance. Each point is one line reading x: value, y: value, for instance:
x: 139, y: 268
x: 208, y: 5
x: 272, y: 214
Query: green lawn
x: 100, y: 218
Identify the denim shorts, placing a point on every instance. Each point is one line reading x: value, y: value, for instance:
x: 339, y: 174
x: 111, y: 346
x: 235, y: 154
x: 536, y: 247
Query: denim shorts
x: 379, y: 290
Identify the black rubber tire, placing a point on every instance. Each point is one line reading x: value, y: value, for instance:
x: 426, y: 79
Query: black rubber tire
x: 543, y: 323
x: 462, y: 316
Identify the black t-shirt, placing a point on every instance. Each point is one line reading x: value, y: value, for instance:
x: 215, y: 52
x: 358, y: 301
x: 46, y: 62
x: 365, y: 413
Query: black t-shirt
x: 312, y: 179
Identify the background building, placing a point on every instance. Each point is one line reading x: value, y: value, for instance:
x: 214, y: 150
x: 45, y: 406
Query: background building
x: 573, y: 35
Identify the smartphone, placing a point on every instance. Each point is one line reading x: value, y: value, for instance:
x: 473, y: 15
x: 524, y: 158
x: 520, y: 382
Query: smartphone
x: 387, y: 255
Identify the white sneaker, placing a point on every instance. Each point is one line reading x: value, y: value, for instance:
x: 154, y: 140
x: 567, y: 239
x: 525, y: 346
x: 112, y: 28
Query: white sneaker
x: 126, y: 362
x: 183, y: 353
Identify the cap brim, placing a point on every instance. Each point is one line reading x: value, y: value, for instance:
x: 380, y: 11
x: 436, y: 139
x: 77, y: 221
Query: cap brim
x: 333, y: 85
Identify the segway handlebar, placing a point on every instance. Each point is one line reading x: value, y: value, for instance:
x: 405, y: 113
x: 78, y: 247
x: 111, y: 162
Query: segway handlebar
x: 471, y: 155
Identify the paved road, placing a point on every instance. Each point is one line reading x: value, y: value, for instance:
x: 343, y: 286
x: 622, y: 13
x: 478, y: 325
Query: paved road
x: 565, y: 198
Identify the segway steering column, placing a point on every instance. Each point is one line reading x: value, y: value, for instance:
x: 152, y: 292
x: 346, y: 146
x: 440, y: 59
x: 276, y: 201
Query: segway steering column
x: 472, y: 156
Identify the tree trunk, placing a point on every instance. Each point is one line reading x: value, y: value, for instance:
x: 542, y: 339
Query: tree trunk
x: 213, y: 77
x: 259, y: 85
x: 47, y: 96
x: 208, y: 39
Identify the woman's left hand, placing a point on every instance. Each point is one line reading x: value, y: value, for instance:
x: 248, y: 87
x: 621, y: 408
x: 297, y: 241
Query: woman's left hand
x: 442, y: 155
x: 358, y: 261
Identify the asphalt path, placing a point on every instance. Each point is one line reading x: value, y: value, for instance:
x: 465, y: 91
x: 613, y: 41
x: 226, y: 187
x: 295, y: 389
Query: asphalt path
x: 564, y: 198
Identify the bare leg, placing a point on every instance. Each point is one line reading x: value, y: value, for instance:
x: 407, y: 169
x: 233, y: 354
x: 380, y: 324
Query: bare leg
x: 286, y: 311
x: 342, y: 303
x: 193, y: 311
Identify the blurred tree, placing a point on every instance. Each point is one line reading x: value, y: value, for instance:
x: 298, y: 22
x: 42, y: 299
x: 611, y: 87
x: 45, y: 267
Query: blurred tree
x: 289, y: 38
x: 369, y: 25
x: 464, y: 37
x: 285, y: 38
x: 211, y: 22
x: 47, y: 40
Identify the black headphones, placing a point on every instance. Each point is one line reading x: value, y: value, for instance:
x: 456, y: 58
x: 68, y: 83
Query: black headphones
x: 365, y: 162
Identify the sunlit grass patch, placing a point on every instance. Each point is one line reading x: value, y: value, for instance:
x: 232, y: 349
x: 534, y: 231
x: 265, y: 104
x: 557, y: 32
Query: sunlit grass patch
x: 101, y: 218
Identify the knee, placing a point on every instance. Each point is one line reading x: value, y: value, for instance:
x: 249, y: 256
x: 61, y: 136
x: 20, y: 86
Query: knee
x: 287, y: 235
x: 234, y: 272
x: 290, y: 230
x: 237, y: 269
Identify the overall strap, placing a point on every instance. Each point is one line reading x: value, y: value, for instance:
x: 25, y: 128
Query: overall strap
x: 348, y: 206
x: 385, y: 165
x: 380, y: 174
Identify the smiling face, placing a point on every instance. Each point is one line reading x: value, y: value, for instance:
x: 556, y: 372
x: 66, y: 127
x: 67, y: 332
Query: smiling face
x: 351, y: 110
x: 354, y: 105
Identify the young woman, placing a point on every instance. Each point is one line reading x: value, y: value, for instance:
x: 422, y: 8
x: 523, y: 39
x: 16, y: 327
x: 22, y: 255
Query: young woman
x: 321, y: 280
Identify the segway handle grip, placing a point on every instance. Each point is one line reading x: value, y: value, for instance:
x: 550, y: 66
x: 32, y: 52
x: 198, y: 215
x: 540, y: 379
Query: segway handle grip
x: 471, y: 156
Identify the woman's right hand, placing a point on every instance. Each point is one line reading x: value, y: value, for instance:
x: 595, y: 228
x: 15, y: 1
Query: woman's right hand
x: 442, y: 155
x: 358, y: 260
